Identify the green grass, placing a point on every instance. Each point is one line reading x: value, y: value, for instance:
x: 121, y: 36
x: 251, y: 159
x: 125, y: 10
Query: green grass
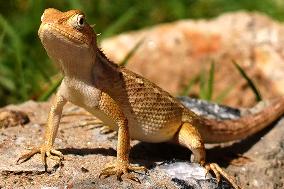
x: 27, y: 73
x: 249, y: 81
x: 206, y: 84
x: 124, y: 62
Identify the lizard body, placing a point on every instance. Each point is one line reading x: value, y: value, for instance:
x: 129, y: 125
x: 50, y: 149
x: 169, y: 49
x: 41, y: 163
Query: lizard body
x: 126, y: 101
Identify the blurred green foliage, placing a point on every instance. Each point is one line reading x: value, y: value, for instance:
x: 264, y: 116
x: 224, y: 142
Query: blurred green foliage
x: 25, y: 70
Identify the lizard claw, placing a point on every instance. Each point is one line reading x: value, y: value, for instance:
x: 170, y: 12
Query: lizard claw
x: 218, y: 171
x: 120, y: 169
x: 45, y: 152
x: 27, y: 156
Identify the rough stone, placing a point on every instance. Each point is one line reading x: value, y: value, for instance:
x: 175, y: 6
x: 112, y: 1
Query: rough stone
x: 172, y: 54
x: 86, y: 151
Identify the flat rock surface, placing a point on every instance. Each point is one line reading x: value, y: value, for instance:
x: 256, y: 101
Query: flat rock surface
x: 86, y: 152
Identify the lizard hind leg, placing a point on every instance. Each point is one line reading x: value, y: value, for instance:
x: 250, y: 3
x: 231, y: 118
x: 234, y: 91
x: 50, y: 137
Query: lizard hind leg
x: 188, y: 136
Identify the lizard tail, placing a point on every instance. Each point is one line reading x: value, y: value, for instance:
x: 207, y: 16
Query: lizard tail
x: 216, y: 131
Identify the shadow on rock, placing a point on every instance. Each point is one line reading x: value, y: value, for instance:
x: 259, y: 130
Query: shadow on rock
x: 88, y: 151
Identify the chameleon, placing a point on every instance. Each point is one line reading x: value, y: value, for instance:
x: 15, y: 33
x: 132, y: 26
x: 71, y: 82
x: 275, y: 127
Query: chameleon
x: 130, y: 104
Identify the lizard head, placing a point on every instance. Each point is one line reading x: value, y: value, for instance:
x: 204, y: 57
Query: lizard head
x: 67, y: 38
x: 68, y: 26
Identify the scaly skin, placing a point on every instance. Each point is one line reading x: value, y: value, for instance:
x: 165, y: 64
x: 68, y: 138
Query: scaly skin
x: 127, y: 102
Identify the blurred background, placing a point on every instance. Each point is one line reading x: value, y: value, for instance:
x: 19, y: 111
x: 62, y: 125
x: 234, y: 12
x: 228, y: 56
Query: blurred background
x: 27, y: 73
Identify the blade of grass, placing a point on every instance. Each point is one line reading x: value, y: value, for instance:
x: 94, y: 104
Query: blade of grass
x: 206, y: 84
x: 5, y: 71
x: 41, y: 69
x: 132, y: 52
x: 51, y: 90
x: 210, y: 83
x: 16, y: 42
x: 223, y: 94
x: 120, y: 22
x: 249, y: 81
x: 188, y: 87
x: 1, y: 39
x: 202, y: 85
x: 7, y: 83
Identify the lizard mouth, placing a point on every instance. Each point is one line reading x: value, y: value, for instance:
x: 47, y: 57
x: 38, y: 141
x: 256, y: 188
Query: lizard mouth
x: 49, y: 28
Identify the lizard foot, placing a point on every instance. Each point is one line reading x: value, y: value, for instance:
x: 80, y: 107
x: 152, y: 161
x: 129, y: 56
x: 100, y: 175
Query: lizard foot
x: 121, y: 168
x: 218, y: 171
x: 45, y: 152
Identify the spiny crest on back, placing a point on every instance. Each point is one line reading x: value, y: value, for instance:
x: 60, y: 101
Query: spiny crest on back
x: 102, y: 54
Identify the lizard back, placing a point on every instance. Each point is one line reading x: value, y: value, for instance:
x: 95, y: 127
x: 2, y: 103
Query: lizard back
x: 151, y: 110
x: 153, y: 114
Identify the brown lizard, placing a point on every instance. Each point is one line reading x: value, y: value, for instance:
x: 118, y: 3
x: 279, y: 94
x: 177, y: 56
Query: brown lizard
x: 127, y: 102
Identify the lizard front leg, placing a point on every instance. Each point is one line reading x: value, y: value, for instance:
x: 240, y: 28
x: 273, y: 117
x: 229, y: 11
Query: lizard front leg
x: 189, y: 137
x: 46, y: 149
x: 122, y: 165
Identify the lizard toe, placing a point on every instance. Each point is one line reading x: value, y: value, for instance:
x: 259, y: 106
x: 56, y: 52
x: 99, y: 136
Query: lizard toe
x: 218, y: 172
x: 27, y: 156
x: 49, y: 152
x: 109, y: 170
x: 45, y: 151
x: 122, y: 169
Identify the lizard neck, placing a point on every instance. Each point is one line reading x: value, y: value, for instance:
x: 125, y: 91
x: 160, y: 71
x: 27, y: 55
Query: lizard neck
x: 80, y: 71
x: 108, y: 76
x: 74, y: 62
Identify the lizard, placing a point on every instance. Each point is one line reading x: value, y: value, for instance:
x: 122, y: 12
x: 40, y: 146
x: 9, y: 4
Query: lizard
x: 132, y: 105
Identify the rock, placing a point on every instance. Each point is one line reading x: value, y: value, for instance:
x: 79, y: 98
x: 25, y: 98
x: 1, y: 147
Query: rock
x: 174, y: 53
x: 209, y: 109
x: 191, y: 175
x: 86, y: 152
x: 10, y: 118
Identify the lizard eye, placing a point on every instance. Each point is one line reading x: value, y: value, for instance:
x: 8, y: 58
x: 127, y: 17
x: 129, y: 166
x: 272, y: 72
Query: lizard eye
x: 80, y: 20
